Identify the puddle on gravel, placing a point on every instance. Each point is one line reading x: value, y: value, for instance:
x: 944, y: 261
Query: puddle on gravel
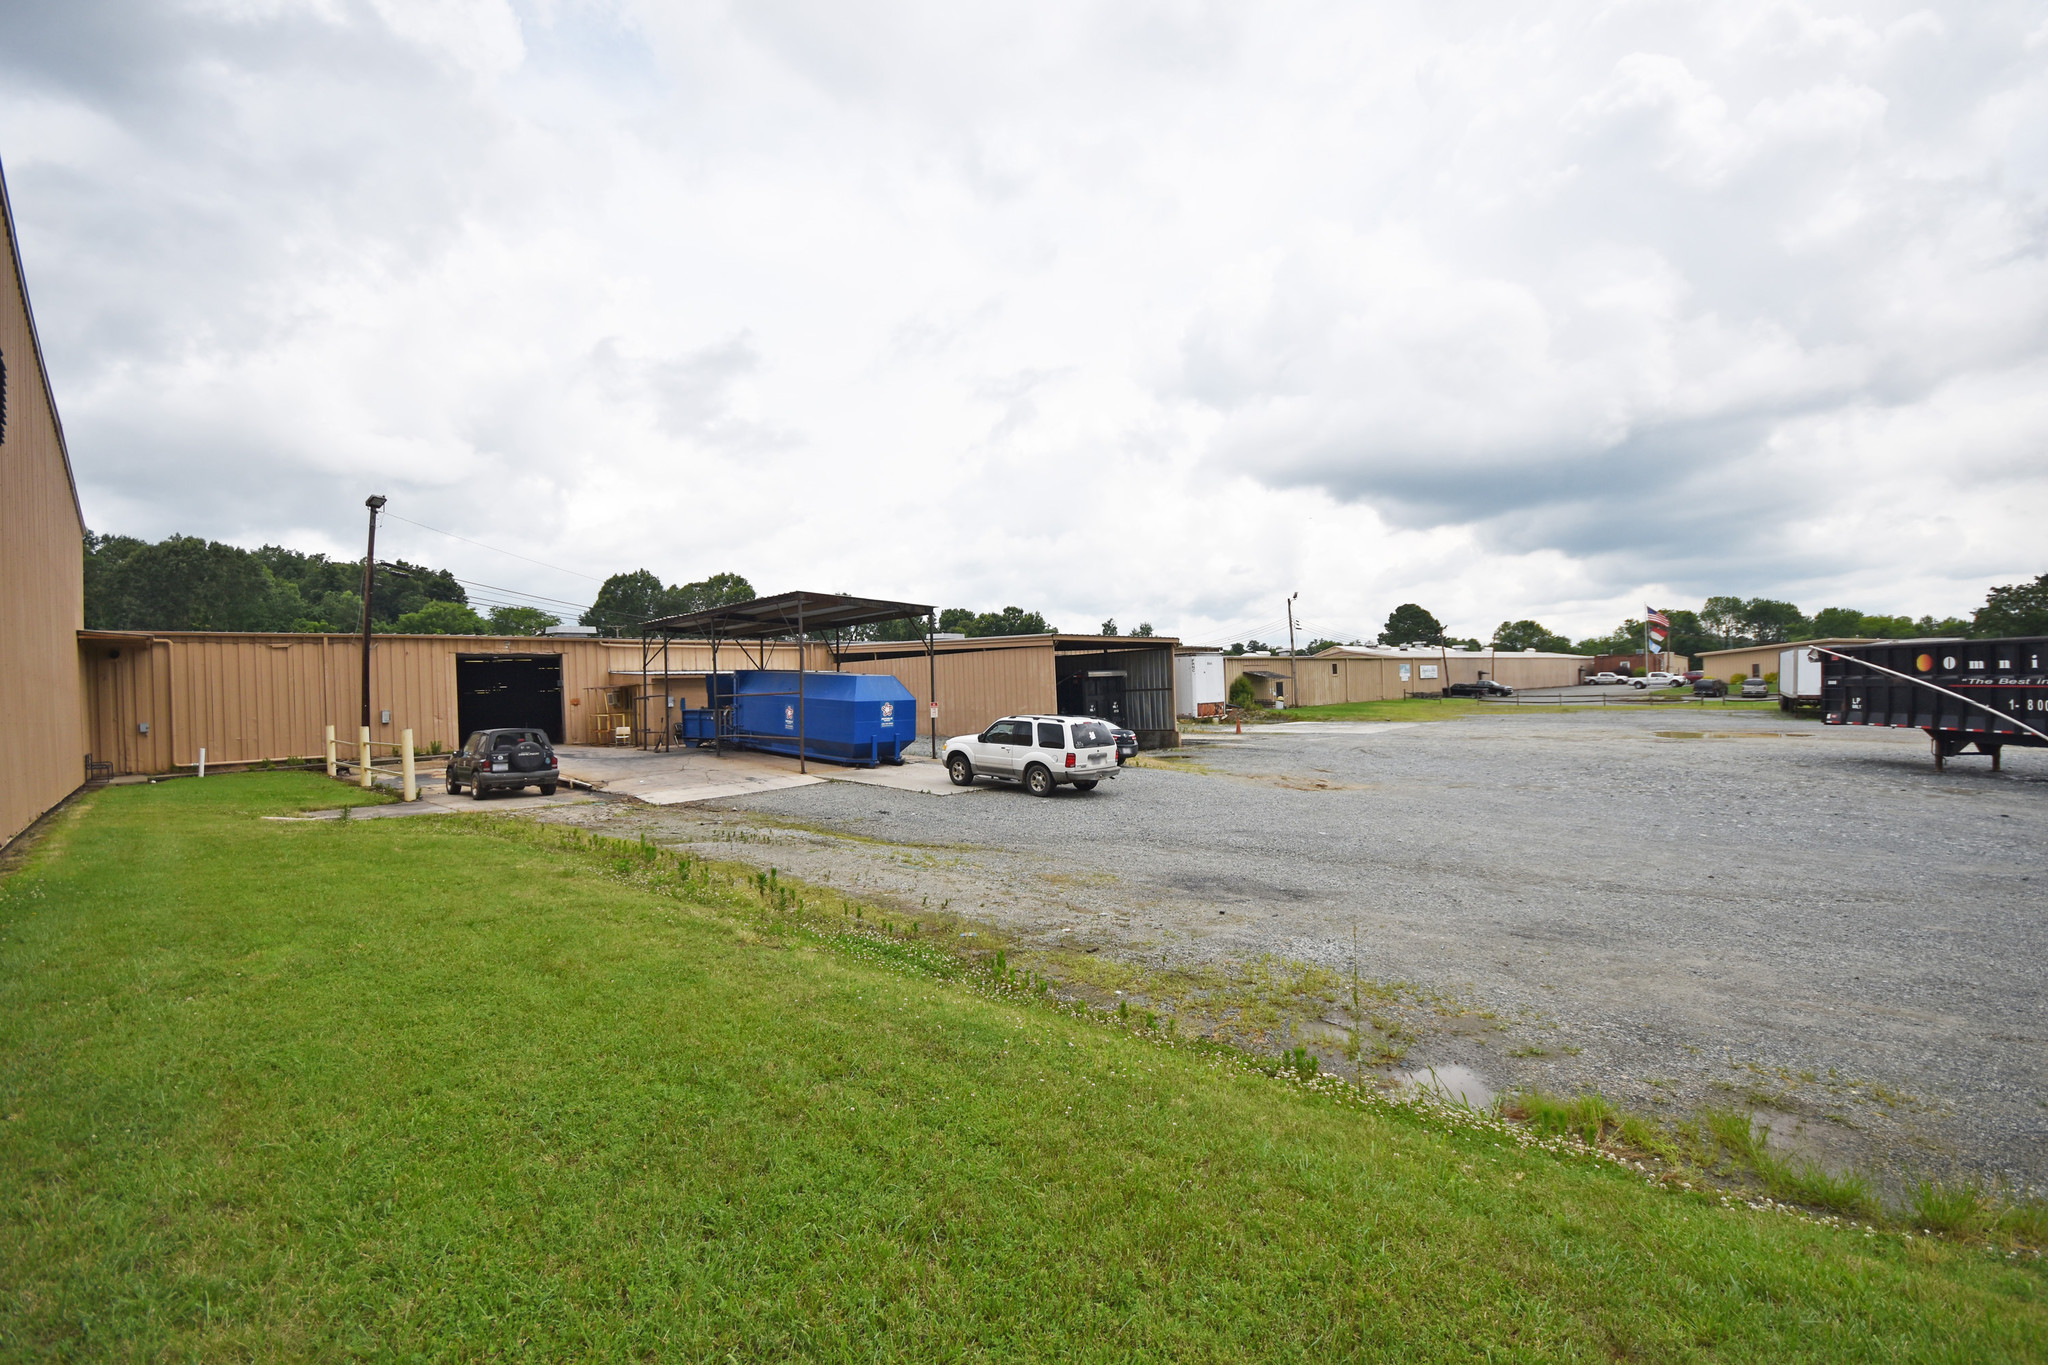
x: 1458, y: 1084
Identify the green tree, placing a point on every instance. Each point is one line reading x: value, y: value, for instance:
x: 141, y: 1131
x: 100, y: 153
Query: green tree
x: 719, y: 590
x: 1108, y: 627
x: 1689, y: 636
x: 623, y: 602
x: 1722, y: 616
x: 1008, y: 621
x: 1770, y: 622
x: 1409, y: 624
x: 1837, y: 623
x: 1526, y: 634
x: 2015, y: 609
x: 1144, y: 630
x: 521, y: 620
x: 1243, y: 692
x: 437, y: 618
x: 183, y: 583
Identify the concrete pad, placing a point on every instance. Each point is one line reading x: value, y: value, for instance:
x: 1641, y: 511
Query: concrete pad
x: 679, y: 776
x: 685, y: 775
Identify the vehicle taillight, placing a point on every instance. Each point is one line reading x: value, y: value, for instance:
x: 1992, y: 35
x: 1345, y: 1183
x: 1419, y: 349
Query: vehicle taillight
x: 551, y: 760
x: 1070, y: 760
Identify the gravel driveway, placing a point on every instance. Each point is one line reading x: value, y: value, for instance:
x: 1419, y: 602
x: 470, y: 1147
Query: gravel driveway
x: 1672, y: 907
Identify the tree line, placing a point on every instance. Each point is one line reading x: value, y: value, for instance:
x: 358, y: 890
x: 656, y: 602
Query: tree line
x: 1723, y: 623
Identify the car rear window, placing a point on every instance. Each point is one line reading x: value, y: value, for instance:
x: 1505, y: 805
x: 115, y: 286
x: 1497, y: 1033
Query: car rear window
x: 1092, y: 734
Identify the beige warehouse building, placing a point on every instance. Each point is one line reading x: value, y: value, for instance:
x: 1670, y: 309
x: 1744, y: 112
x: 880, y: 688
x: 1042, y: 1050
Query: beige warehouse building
x: 1356, y: 673
x: 1756, y: 661
x: 155, y: 699
x: 42, y: 578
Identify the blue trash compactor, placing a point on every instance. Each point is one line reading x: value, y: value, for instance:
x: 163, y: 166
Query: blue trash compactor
x: 859, y: 719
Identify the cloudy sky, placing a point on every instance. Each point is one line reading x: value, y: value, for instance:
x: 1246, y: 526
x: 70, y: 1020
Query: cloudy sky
x: 1158, y: 311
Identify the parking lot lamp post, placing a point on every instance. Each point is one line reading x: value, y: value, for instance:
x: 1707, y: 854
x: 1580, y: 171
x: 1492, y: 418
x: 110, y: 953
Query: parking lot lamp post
x: 1293, y: 669
x: 375, y: 502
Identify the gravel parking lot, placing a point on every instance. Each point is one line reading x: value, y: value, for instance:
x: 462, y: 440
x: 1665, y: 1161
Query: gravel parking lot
x: 1671, y: 906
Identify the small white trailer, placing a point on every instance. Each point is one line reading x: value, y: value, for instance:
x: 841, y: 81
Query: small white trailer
x: 1798, y: 679
x: 1198, y: 682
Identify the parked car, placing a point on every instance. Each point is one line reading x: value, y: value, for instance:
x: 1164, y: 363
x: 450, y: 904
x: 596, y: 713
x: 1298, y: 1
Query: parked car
x: 1126, y: 742
x: 1044, y: 753
x: 504, y: 760
x: 1755, y: 688
x: 1693, y: 675
x: 1485, y: 687
x: 1658, y: 679
x: 1604, y: 679
x: 1710, y: 687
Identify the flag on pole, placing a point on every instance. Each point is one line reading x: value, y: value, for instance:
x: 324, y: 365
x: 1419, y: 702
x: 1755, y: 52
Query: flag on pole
x: 1658, y: 623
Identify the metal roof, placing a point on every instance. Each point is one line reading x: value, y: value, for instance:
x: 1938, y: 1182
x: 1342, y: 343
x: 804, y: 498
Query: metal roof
x: 769, y: 617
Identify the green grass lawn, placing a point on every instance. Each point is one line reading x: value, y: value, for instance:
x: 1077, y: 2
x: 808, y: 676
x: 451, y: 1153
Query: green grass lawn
x: 455, y: 1086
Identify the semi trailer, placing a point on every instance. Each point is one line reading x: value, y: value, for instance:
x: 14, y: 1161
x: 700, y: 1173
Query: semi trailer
x: 1966, y: 694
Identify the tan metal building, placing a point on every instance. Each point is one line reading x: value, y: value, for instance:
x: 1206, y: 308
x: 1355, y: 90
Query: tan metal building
x: 1756, y: 661
x: 42, y: 573
x: 154, y: 699
x: 1356, y: 673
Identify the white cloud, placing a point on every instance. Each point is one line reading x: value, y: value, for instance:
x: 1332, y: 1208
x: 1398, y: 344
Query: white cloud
x: 1158, y: 311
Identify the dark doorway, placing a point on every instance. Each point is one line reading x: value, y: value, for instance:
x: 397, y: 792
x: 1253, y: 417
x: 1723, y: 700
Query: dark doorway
x: 498, y: 691
x: 1098, y: 693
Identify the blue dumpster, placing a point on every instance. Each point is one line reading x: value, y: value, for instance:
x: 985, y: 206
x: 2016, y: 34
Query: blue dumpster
x: 859, y: 719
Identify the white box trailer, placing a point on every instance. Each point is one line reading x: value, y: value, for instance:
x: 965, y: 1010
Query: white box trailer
x: 1798, y: 679
x: 1198, y: 683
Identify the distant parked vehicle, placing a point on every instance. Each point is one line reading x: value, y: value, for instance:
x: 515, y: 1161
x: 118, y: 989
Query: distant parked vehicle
x: 1693, y: 675
x: 1606, y: 679
x: 1710, y: 687
x: 1658, y: 679
x: 1485, y: 687
x: 1755, y: 689
x: 1126, y: 742
x: 504, y: 760
x: 1044, y: 753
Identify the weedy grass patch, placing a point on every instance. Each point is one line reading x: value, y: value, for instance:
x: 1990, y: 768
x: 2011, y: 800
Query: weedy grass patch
x: 462, y: 1086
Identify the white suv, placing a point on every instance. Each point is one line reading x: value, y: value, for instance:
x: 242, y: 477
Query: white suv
x: 1042, y: 752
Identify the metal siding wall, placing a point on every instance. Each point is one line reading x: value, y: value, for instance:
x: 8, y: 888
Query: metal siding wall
x: 42, y: 585
x: 976, y: 686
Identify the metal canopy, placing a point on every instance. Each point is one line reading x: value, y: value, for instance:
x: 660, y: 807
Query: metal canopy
x: 786, y: 614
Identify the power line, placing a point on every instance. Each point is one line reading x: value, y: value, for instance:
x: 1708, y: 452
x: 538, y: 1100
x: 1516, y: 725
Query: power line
x: 492, y: 548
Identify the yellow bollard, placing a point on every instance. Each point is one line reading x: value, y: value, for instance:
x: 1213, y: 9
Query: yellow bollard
x: 330, y: 751
x: 412, y: 787
x: 363, y: 757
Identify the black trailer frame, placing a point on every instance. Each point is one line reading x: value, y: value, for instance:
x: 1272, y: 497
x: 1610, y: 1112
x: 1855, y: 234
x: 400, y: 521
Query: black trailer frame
x: 1981, y: 694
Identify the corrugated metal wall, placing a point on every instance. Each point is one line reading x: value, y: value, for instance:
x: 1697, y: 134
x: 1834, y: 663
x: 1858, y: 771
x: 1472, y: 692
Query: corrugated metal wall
x: 976, y: 686
x: 245, y: 698
x: 42, y: 578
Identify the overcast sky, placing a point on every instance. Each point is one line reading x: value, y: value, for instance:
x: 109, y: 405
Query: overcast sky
x: 1158, y: 311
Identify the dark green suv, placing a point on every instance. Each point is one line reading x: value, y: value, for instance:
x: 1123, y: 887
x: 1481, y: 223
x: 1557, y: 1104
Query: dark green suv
x: 504, y: 760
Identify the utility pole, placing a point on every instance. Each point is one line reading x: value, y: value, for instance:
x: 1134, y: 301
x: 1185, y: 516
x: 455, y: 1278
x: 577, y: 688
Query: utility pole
x: 374, y: 503
x: 1293, y: 670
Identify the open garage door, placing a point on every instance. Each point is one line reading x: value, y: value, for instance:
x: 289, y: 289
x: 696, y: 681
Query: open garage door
x: 497, y: 691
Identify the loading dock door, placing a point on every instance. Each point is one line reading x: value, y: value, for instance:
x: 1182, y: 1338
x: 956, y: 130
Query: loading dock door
x: 1098, y: 693
x: 494, y: 691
